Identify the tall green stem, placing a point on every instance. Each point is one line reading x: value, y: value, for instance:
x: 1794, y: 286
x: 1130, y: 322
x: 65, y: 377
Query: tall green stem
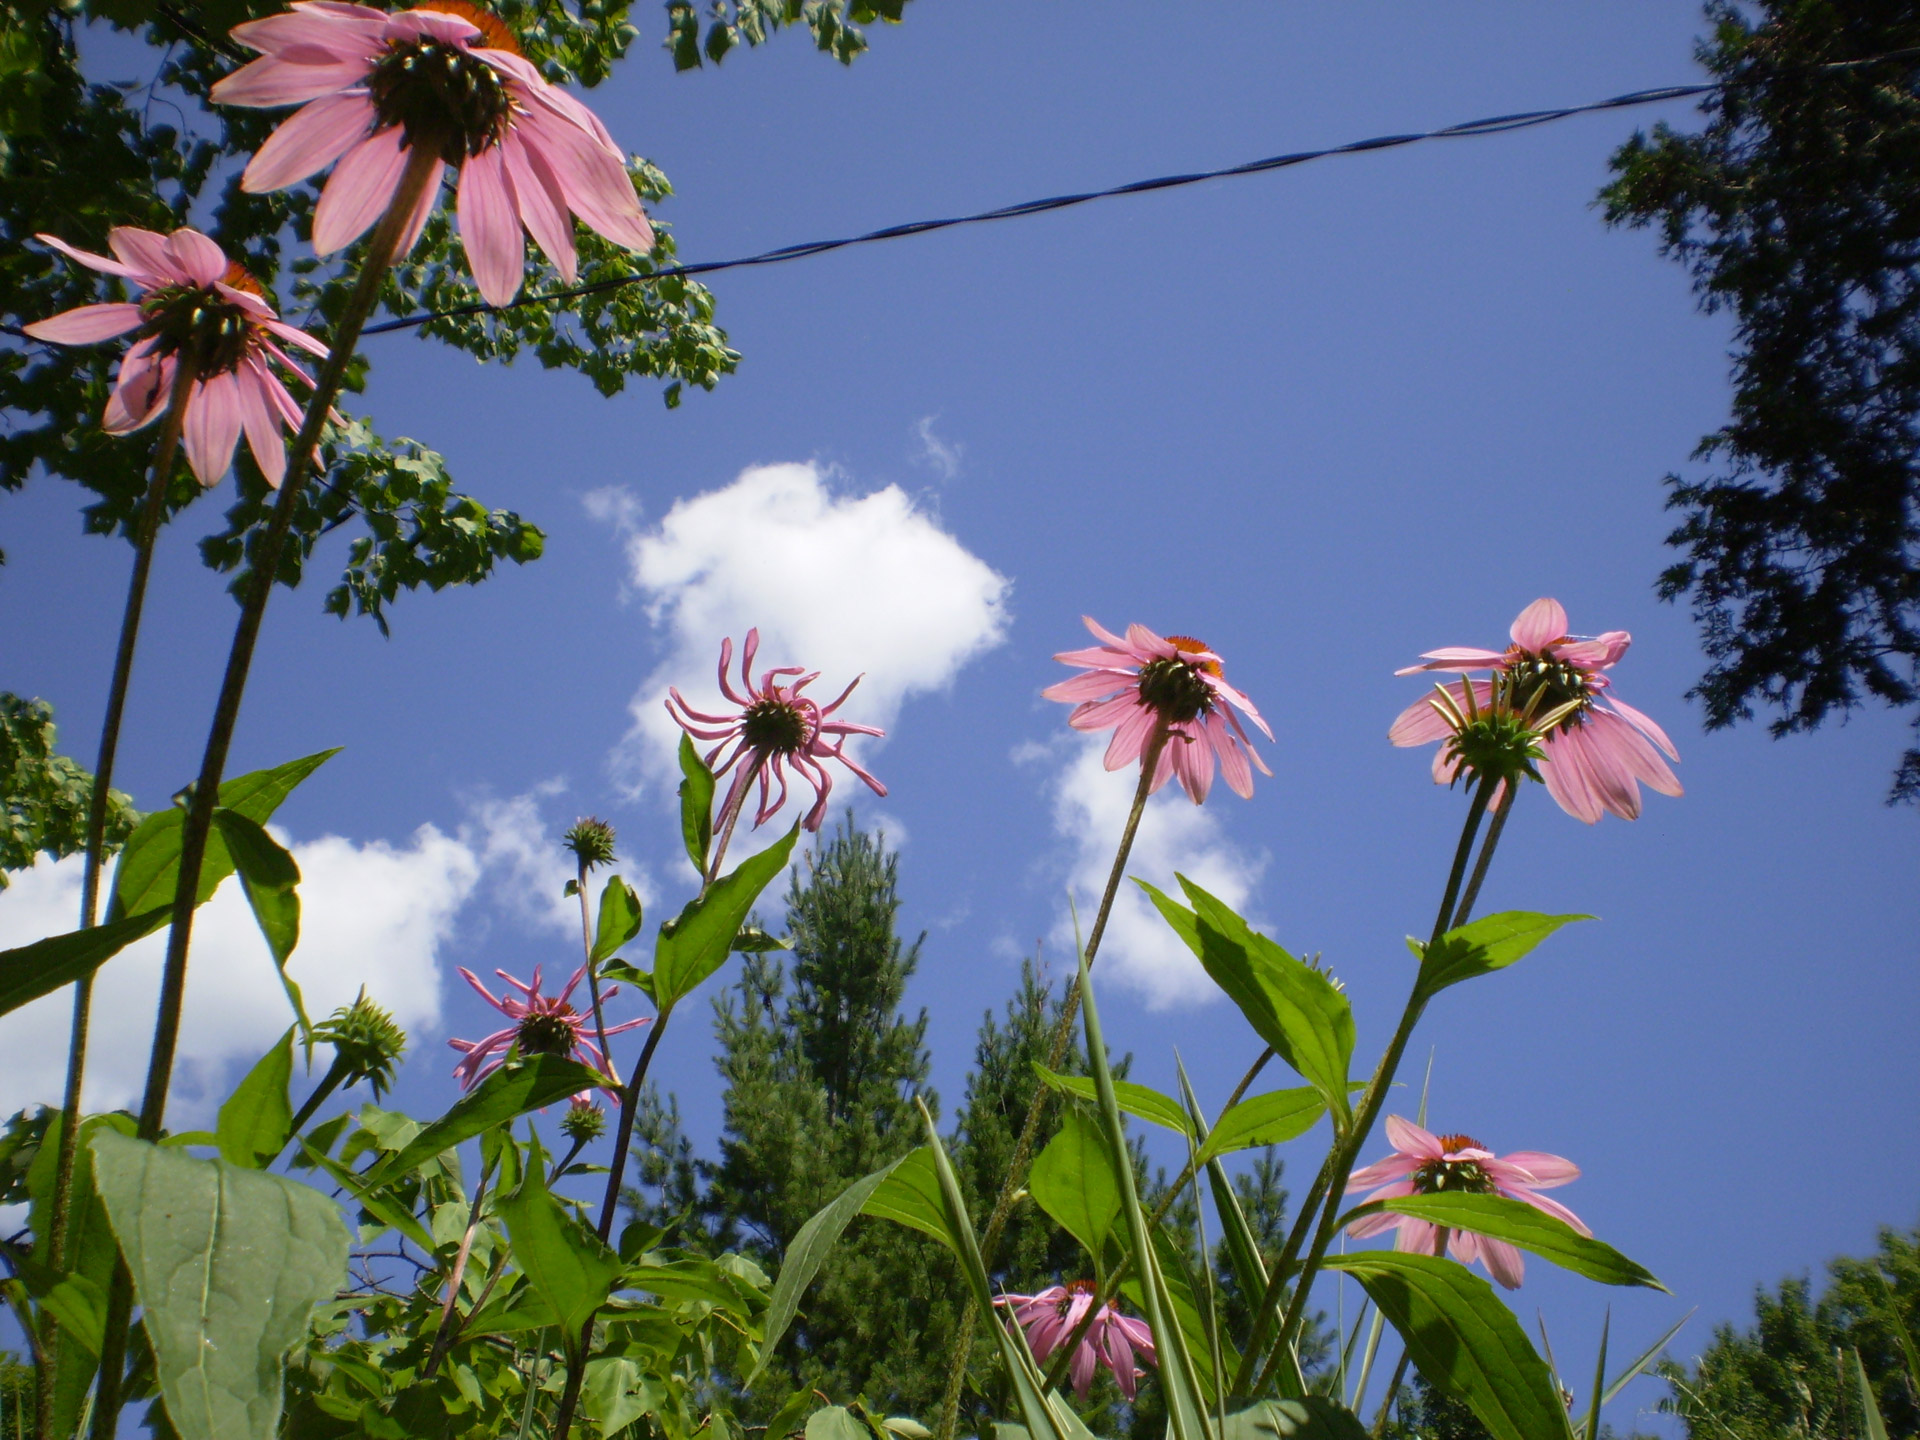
x: 147, y: 528
x: 1062, y: 1038
x: 593, y: 971
x: 1347, y: 1147
x: 422, y: 163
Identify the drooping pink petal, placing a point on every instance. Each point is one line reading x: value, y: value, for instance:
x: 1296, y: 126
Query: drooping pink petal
x: 359, y: 190
x: 1546, y: 1170
x: 489, y: 228
x: 1548, y: 1205
x: 1503, y: 1261
x: 260, y: 421
x: 140, y: 390
x: 145, y: 253
x: 212, y: 428
x: 1539, y: 625
x: 273, y: 81
x: 422, y: 211
x: 595, y: 184
x: 309, y: 141
x: 541, y: 206
x: 1645, y: 724
x: 202, y: 261
x: 86, y: 325
x: 1411, y: 1139
x: 1395, y: 1167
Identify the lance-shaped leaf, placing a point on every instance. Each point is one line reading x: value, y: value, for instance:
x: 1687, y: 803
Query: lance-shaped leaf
x: 1482, y: 946
x: 149, y: 867
x: 227, y: 1266
x: 271, y: 878
x: 808, y: 1253
x: 696, y: 804
x: 1464, y: 1340
x: 1873, y: 1425
x: 910, y: 1196
x: 29, y: 971
x: 515, y: 1088
x: 1141, y: 1100
x: 619, y: 920
x: 1520, y: 1224
x: 698, y: 942
x: 1290, y: 1005
x: 257, y: 1118
x: 570, y: 1268
x: 1270, y: 1119
x: 1076, y: 1181
x: 1311, y: 1417
x: 1179, y: 1381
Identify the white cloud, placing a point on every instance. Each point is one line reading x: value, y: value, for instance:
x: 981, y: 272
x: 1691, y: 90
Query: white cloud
x: 846, y: 584
x: 517, y: 844
x: 375, y: 915
x: 615, y: 506
x: 1139, y: 950
x: 943, y: 455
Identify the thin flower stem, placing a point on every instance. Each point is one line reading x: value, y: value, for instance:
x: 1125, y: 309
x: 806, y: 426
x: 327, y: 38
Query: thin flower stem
x: 1500, y: 813
x: 730, y: 816
x: 1062, y: 1038
x: 329, y: 1082
x: 593, y: 971
x: 148, y: 528
x: 1347, y: 1146
x: 1406, y: 1355
x: 445, y: 1338
x: 1266, y: 1315
x: 422, y: 164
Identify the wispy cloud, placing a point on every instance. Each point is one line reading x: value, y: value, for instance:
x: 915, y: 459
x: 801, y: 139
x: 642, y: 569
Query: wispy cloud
x: 943, y: 456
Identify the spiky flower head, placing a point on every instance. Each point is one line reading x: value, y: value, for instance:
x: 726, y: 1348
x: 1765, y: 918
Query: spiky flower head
x: 585, y: 1120
x: 366, y: 1043
x: 591, y: 841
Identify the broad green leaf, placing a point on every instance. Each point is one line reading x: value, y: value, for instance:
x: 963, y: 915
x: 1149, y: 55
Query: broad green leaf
x: 149, y: 867
x: 509, y: 1314
x: 258, y: 1117
x: 910, y: 1196
x: 1186, y: 1303
x: 787, y: 1419
x: 607, y: 1393
x: 572, y: 1269
x: 81, y: 1308
x: 1075, y: 1181
x: 1520, y: 1224
x: 1141, y: 1100
x: 271, y: 881
x: 1872, y: 1422
x: 1291, y: 1006
x: 699, y: 941
x: 1179, y: 1382
x: 808, y: 1252
x: 620, y: 917
x: 515, y: 1088
x: 1270, y: 1119
x: 227, y: 1266
x: 836, y: 1422
x: 1044, y: 1421
x: 696, y: 804
x: 692, y: 1278
x: 1311, y: 1417
x: 30, y: 971
x: 1482, y: 946
x: 1464, y: 1340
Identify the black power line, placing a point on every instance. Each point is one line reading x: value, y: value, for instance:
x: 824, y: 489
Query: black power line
x: 1493, y: 125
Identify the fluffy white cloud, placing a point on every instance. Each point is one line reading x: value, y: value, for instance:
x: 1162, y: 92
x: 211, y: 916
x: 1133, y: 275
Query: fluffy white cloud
x: 375, y: 915
x: 1139, y: 950
x: 846, y: 584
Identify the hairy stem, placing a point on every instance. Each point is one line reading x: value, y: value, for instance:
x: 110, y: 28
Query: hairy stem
x: 421, y: 165
x: 593, y: 971
x: 1062, y: 1038
x: 147, y: 530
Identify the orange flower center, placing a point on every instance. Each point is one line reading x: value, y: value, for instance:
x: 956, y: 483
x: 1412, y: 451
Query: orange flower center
x: 1187, y: 645
x: 494, y: 34
x: 238, y: 277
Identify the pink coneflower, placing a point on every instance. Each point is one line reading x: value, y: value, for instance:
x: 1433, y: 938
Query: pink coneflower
x: 542, y: 1025
x: 1112, y: 1340
x: 1144, y: 684
x: 1428, y: 1164
x: 775, y: 726
x: 449, y: 76
x: 194, y: 305
x: 1597, y: 754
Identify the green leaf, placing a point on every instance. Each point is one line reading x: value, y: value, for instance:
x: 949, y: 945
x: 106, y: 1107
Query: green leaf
x: 270, y: 879
x: 1141, y: 1100
x: 1291, y: 1006
x: 692, y: 1278
x: 696, y: 803
x: 1464, y: 1340
x: 1179, y: 1381
x: 699, y: 941
x: 1482, y: 946
x: 515, y: 1088
x: 910, y: 1196
x: 1312, y: 1417
x: 1874, y: 1425
x: 620, y: 918
x: 30, y: 971
x: 836, y: 1422
x: 1184, y: 1306
x: 752, y: 940
x: 572, y: 1269
x: 1270, y: 1119
x: 227, y: 1265
x: 1520, y: 1224
x: 258, y: 1117
x: 607, y: 1393
x: 808, y: 1252
x: 377, y: 1201
x: 1075, y: 1181
x: 149, y: 866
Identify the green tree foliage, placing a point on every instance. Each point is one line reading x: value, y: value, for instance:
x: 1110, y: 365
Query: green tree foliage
x: 1797, y: 212
x: 43, y: 810
x: 1783, y: 1378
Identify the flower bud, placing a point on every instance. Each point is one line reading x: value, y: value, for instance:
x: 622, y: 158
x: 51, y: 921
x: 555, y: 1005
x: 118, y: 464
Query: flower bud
x: 366, y: 1043
x: 584, y: 1121
x: 591, y: 841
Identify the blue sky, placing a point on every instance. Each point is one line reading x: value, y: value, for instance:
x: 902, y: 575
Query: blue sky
x: 1325, y: 419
